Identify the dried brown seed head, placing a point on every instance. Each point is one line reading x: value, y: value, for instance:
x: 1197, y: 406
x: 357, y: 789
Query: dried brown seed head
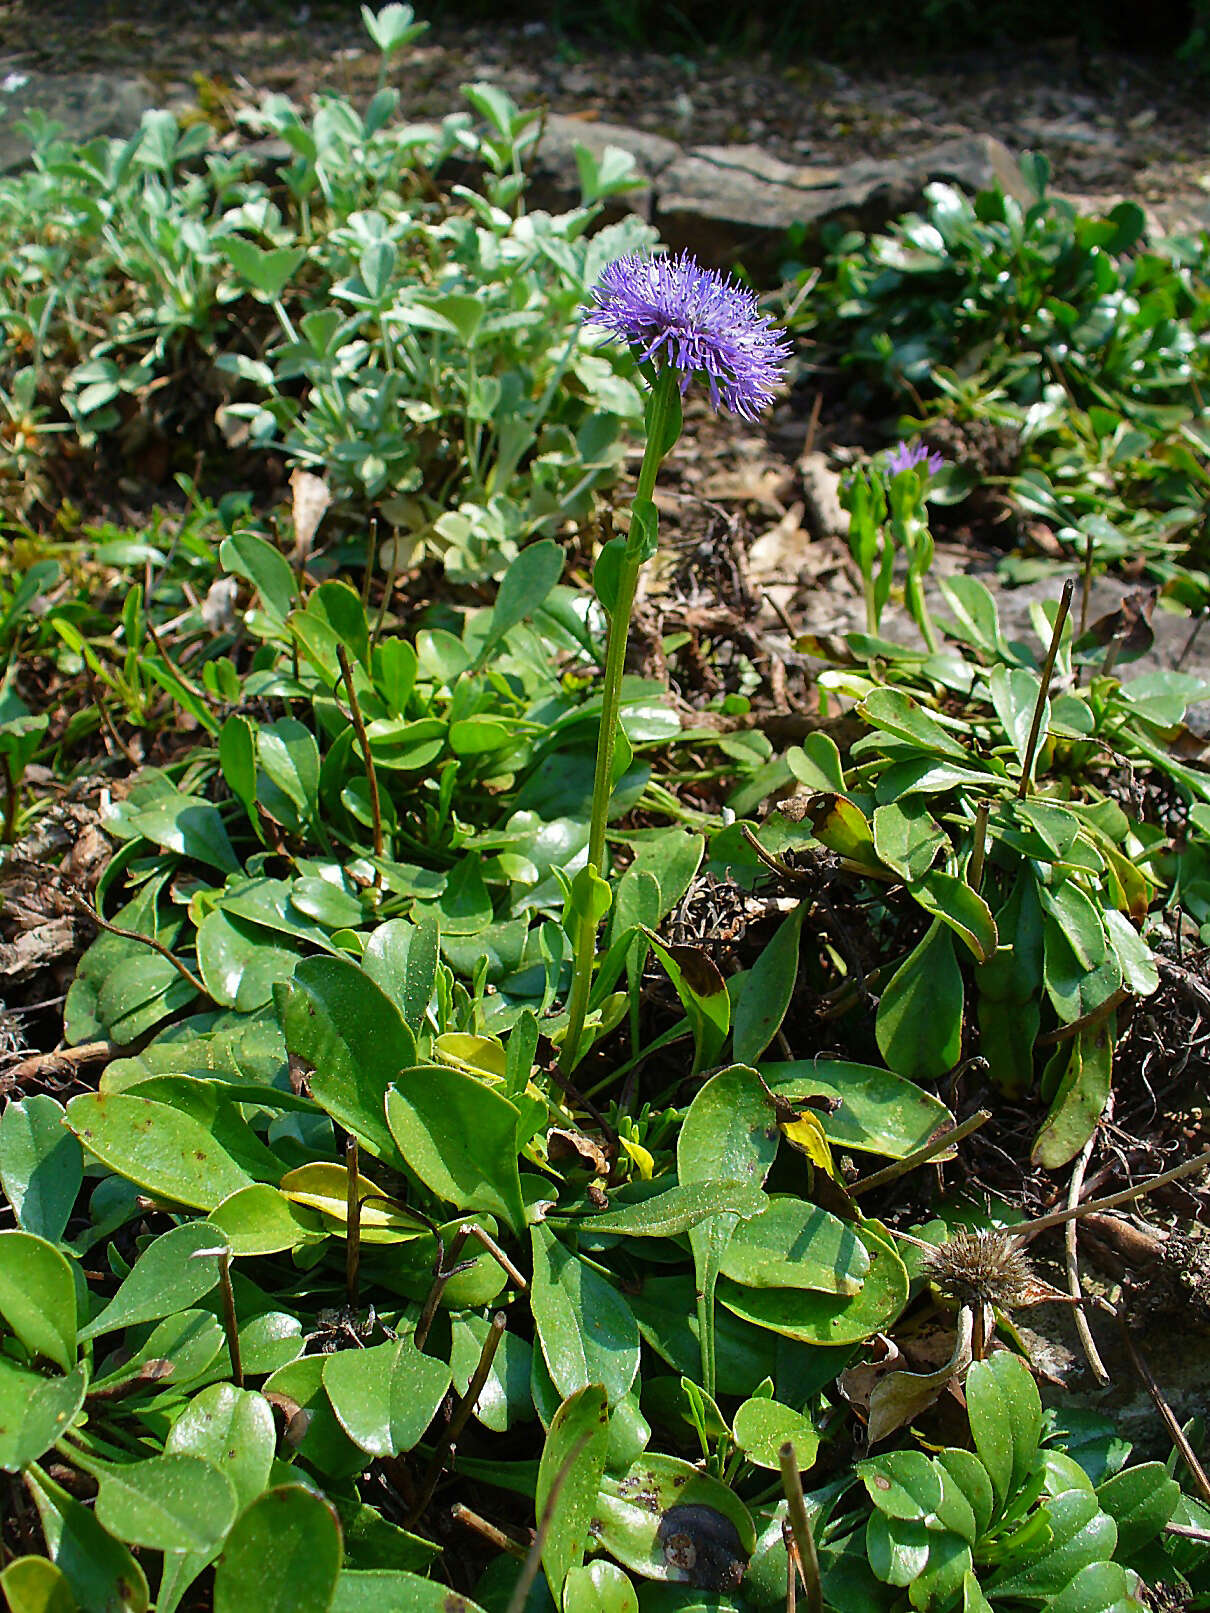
x: 981, y: 1268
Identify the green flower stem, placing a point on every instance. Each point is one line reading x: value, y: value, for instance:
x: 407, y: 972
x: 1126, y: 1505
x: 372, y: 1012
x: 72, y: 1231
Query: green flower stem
x: 871, y: 606
x: 585, y: 933
x: 918, y: 609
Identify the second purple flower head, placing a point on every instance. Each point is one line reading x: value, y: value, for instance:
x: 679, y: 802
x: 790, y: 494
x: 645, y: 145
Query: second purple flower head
x: 675, y: 313
x: 908, y: 456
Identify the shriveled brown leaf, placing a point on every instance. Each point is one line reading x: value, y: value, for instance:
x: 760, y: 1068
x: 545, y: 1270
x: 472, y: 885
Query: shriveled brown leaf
x: 891, y: 1397
x: 311, y: 500
x: 574, y: 1148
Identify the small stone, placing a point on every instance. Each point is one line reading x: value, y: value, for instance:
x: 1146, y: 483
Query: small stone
x: 825, y: 517
x: 86, y: 104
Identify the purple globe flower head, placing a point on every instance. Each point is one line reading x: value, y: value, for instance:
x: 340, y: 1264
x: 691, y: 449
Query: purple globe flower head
x: 908, y: 456
x: 675, y: 313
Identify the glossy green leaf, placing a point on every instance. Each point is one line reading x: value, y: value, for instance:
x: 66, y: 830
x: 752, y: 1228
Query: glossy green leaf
x: 526, y: 583
x: 328, y: 903
x: 796, y: 1245
x: 599, y: 1587
x: 209, y: 1102
x: 841, y: 826
x: 233, y: 1430
x: 1097, y: 1588
x: 371, y: 1542
x: 1081, y: 1097
x: 703, y: 994
x: 898, y: 1549
x: 907, y: 837
x: 1137, y: 960
x: 1140, y: 1500
x: 401, y: 957
x: 865, y: 1108
x: 240, y: 963
x: 465, y: 906
x: 170, y: 1503
x: 970, y: 1476
x: 941, y: 1579
x: 406, y: 747
x: 1007, y: 1033
x: 237, y: 759
x: 282, y: 1556
x: 946, y: 897
x: 1075, y: 914
x: 667, y: 1316
x: 163, y: 1150
x: 505, y: 1398
x: 354, y: 1039
x: 728, y: 1133
x: 1075, y: 990
x: 262, y: 1220
x: 290, y: 758
x: 816, y: 763
x: 587, y: 1331
x: 827, y: 1319
x: 1014, y: 692
x: 35, y: 1411
x: 1080, y: 1534
x: 186, y: 825
x: 41, y: 1165
x: 103, y: 1576
x: 1005, y: 1412
x: 573, y: 1458
x: 120, y: 996
x: 383, y: 1590
x: 767, y: 990
x: 675, y: 1210
x: 1012, y: 975
x: 35, y: 1585
x: 268, y: 904
x: 189, y: 1340
x: 270, y: 1341
x: 919, y: 1021
x: 172, y: 1273
x: 459, y: 1135
x: 897, y: 713
x: 973, y: 1599
x: 38, y: 1297
x: 386, y: 1396
x: 318, y: 1436
x: 903, y: 1484
x: 956, y: 1510
x: 670, y: 856
x: 975, y: 614
x: 762, y: 1427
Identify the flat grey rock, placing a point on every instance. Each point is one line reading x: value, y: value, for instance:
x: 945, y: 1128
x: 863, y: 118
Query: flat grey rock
x: 555, y: 177
x: 724, y: 203
x: 86, y: 104
x: 728, y: 202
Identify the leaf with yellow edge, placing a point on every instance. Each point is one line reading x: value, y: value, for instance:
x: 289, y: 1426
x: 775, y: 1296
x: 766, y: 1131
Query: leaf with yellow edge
x: 841, y: 826
x: 324, y: 1186
x: 475, y: 1055
x: 640, y: 1156
x: 807, y: 1135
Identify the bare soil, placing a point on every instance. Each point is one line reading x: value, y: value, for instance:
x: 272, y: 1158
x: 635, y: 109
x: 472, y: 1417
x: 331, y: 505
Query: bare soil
x: 1112, y: 124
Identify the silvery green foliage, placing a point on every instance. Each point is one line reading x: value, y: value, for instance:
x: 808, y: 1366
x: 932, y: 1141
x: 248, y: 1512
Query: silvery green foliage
x: 349, y: 303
